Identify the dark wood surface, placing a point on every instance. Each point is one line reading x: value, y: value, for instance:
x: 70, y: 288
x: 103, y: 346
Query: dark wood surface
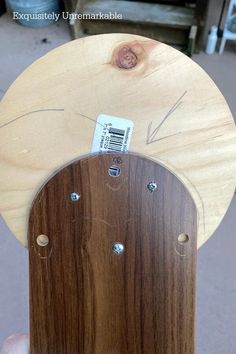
x: 166, y: 21
x: 143, y: 13
x: 84, y: 298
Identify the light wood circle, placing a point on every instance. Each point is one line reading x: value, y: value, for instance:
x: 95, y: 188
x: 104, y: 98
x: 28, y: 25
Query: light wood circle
x: 48, y: 118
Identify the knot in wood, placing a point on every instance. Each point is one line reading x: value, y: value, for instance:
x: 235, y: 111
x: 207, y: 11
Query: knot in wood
x: 126, y: 58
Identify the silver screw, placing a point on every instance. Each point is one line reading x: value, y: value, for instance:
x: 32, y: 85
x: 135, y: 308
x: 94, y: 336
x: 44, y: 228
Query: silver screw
x: 118, y: 248
x: 74, y: 197
x: 114, y: 171
x: 42, y: 240
x: 152, y: 186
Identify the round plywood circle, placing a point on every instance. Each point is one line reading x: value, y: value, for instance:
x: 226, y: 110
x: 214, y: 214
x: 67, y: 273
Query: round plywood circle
x: 49, y: 114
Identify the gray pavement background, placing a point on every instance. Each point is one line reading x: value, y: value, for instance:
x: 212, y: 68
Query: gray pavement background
x: 216, y: 294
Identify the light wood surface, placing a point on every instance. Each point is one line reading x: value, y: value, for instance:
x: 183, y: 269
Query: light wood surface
x: 87, y: 299
x: 48, y: 117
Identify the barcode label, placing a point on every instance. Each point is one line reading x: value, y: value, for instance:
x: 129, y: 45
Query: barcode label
x: 112, y: 134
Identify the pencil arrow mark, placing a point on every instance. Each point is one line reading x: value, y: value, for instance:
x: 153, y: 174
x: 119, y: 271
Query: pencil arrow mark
x: 151, y: 136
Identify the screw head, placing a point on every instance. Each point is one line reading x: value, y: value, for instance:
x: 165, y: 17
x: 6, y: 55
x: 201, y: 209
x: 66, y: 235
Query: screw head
x: 152, y: 186
x: 42, y: 240
x: 118, y: 248
x: 74, y: 197
x: 114, y: 171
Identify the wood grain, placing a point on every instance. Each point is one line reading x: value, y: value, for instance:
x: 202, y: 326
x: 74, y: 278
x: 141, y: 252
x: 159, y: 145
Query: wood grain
x: 48, y: 118
x: 84, y: 298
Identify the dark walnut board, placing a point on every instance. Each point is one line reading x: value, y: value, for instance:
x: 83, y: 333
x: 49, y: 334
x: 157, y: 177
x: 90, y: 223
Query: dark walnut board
x: 86, y: 299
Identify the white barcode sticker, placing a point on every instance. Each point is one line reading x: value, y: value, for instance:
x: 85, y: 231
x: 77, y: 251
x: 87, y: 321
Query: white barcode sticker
x: 112, y: 134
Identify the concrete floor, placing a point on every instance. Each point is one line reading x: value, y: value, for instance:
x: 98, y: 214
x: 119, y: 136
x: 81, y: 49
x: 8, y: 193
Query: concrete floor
x: 216, y: 295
